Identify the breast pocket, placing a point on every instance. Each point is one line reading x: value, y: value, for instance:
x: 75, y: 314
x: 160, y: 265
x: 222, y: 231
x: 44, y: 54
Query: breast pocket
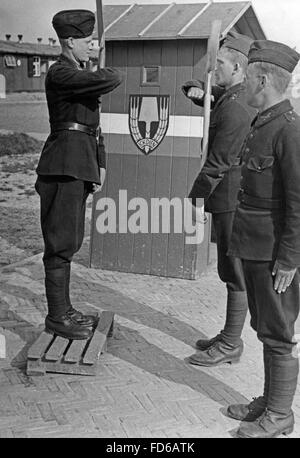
x: 260, y: 164
x: 259, y: 176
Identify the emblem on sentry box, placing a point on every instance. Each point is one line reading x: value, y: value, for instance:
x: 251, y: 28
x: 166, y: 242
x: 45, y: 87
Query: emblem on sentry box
x: 148, y: 120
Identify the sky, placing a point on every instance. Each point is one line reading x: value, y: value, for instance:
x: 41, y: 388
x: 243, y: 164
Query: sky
x: 32, y: 18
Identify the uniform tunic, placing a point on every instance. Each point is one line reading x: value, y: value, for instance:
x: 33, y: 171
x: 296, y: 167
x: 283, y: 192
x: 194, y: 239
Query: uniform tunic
x: 219, y: 180
x: 73, y: 96
x: 267, y: 222
x: 70, y: 160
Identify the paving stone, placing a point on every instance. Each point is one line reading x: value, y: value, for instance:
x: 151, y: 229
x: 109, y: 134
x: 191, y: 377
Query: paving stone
x: 144, y: 387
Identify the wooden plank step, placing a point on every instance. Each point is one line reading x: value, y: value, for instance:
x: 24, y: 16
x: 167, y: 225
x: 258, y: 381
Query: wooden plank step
x: 56, y: 354
x: 40, y: 346
x: 99, y: 338
x: 75, y: 351
x: 57, y: 348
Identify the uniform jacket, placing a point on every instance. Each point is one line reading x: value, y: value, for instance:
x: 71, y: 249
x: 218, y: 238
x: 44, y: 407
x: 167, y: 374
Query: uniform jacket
x: 267, y: 221
x: 72, y: 96
x: 219, y: 180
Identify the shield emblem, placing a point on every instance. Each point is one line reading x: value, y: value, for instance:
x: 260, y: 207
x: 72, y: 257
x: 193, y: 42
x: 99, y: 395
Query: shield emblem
x: 148, y: 120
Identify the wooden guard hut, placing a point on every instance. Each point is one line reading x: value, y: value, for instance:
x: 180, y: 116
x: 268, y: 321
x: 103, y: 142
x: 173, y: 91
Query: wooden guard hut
x: 153, y: 133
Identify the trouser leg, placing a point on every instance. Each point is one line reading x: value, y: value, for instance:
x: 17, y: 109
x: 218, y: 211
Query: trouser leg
x: 273, y: 316
x: 230, y: 271
x: 63, y: 202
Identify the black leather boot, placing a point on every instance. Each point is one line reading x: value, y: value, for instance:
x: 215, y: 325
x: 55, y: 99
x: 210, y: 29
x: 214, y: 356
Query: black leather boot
x: 253, y: 410
x: 64, y: 326
x: 75, y: 315
x: 204, y: 344
x: 57, y: 321
x: 268, y: 425
x: 278, y: 417
x: 218, y: 353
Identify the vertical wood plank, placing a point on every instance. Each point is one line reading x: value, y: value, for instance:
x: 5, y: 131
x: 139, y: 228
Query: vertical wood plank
x: 164, y: 152
x: 119, y: 59
x: 146, y: 171
x: 128, y: 181
x: 180, y: 160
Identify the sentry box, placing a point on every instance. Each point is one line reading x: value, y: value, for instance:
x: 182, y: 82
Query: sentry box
x: 141, y: 220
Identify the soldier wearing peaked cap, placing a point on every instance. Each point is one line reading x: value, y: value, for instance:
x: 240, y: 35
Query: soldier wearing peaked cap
x: 266, y: 236
x: 218, y: 183
x: 72, y: 163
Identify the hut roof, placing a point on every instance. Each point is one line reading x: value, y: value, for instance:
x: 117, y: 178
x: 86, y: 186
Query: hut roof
x: 178, y: 21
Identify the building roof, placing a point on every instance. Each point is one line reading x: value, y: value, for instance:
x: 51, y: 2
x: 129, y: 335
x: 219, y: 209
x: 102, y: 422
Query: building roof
x: 34, y: 49
x: 178, y: 21
x: 31, y: 49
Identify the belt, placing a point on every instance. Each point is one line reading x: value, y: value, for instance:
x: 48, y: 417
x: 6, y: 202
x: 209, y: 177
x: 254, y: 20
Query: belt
x: 73, y: 126
x: 259, y: 202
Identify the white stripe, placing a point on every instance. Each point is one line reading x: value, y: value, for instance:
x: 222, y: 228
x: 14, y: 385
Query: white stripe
x: 179, y: 126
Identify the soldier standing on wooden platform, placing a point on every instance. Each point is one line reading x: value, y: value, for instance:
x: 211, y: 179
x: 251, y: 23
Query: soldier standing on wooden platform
x: 266, y: 235
x: 218, y: 183
x: 72, y: 163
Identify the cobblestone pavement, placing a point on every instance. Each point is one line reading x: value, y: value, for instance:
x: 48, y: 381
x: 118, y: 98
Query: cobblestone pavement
x: 143, y: 387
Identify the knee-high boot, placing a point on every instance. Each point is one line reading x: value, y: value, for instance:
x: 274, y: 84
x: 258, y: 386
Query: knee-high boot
x: 55, y: 291
x: 78, y: 317
x: 57, y: 321
x: 278, y: 418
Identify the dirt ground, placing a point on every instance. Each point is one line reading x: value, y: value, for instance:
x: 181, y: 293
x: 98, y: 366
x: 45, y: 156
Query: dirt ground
x: 20, y: 233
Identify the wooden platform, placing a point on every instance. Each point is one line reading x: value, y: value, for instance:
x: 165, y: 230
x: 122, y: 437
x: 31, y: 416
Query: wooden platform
x: 56, y: 354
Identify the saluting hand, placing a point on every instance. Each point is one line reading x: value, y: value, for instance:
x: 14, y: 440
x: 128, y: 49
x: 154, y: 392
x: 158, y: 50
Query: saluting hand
x: 197, y: 93
x: 283, y: 277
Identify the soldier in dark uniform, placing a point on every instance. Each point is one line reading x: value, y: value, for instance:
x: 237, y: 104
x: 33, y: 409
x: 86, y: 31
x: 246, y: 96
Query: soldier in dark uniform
x: 266, y: 236
x: 218, y: 183
x: 72, y: 163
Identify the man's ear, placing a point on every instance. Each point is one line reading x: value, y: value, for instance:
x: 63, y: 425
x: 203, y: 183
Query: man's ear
x: 70, y: 42
x: 264, y: 81
x: 236, y: 68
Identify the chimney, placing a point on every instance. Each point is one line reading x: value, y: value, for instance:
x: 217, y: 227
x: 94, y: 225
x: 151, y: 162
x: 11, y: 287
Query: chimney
x: 7, y: 37
x: 39, y: 40
x: 20, y: 38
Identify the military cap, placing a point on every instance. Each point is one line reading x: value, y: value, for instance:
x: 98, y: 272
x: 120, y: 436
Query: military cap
x: 273, y: 53
x: 74, y: 23
x: 238, y: 42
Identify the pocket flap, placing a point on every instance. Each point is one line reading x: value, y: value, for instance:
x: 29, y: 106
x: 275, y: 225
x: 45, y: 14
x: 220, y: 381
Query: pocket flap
x: 260, y: 163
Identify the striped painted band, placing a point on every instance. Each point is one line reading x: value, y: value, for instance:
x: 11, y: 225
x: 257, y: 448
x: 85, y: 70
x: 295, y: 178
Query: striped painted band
x: 179, y: 126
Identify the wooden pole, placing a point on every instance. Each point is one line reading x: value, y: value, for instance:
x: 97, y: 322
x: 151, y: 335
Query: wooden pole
x: 212, y: 49
x: 101, y: 36
x: 101, y: 41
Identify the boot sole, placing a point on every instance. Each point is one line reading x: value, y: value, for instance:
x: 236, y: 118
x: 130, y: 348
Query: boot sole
x: 284, y: 432
x: 60, y: 334
x: 224, y: 361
